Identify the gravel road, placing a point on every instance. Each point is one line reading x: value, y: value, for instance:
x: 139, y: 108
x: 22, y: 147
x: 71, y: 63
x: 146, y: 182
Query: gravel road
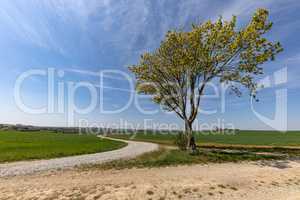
x: 267, y: 180
x: 133, y: 149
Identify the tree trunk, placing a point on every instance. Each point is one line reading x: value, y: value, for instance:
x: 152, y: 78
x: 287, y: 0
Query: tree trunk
x: 188, y: 133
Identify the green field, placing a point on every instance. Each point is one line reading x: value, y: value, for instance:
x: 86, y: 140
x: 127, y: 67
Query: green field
x: 15, y: 146
x: 254, y: 138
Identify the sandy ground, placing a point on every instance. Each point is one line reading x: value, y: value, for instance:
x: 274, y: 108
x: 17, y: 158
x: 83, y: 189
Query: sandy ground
x: 262, y: 181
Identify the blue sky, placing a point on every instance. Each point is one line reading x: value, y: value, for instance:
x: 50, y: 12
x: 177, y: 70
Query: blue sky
x: 82, y: 38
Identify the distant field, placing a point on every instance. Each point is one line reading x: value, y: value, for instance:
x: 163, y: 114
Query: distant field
x: 262, y: 138
x: 15, y: 146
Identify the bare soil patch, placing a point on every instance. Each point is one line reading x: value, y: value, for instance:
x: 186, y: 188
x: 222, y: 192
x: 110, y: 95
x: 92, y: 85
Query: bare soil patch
x: 255, y: 180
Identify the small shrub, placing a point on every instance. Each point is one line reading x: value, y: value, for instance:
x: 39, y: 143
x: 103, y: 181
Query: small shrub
x: 181, y: 141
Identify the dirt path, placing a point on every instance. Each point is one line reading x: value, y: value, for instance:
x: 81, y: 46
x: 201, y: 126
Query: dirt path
x: 256, y: 181
x: 28, y: 167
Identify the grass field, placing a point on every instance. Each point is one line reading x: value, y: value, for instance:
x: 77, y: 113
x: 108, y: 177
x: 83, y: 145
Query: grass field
x: 249, y: 138
x: 15, y: 146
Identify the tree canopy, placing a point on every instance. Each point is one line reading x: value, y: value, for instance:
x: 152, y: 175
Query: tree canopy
x: 176, y: 73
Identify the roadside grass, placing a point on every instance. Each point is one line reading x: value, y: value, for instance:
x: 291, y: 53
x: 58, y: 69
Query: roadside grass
x: 240, y: 138
x: 173, y: 157
x: 17, y: 146
x: 213, y: 148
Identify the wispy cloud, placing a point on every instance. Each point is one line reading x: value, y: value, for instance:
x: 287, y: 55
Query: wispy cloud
x: 239, y: 8
x: 117, y: 26
x: 114, y: 75
x: 294, y: 58
x: 40, y: 22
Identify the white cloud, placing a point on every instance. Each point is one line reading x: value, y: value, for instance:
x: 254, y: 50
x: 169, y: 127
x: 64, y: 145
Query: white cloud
x: 243, y: 8
x: 115, y: 75
x: 127, y: 28
x: 294, y: 58
x: 36, y: 22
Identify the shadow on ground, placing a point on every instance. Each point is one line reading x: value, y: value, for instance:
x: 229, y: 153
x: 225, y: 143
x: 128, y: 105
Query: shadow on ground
x: 279, y: 164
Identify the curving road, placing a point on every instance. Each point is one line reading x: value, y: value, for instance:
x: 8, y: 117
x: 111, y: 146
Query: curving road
x: 133, y: 149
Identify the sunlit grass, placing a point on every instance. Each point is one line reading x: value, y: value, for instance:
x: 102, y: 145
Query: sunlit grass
x: 173, y: 157
x: 261, y: 138
x: 15, y: 146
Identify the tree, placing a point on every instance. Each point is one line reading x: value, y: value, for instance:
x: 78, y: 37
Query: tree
x: 176, y: 73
